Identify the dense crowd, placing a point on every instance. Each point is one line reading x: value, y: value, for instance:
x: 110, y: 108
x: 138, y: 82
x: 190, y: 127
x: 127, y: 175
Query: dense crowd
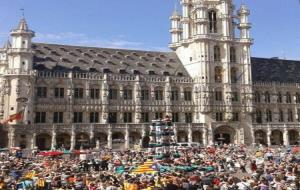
x: 232, y: 167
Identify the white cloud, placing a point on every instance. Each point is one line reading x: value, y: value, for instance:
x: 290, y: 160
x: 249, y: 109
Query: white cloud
x: 83, y: 40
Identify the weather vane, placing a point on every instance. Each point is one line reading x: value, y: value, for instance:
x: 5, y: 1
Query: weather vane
x: 23, y: 12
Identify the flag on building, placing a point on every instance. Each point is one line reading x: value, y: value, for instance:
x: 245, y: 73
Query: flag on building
x: 15, y: 117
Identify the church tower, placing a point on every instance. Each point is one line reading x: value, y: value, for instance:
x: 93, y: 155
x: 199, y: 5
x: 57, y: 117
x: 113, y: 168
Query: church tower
x: 204, y: 39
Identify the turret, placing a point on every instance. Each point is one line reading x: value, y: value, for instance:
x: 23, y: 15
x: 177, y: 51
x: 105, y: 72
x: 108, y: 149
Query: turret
x: 244, y: 24
x: 18, y: 73
x: 21, y: 47
x: 201, y: 17
x: 175, y: 27
x: 185, y: 19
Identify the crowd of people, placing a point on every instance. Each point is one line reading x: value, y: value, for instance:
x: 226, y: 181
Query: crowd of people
x: 227, y: 167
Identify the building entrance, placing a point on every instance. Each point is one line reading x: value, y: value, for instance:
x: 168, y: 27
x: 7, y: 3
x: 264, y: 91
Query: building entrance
x: 224, y: 135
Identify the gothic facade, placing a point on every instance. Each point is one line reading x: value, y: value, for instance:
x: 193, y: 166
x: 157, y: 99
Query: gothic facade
x: 209, y: 84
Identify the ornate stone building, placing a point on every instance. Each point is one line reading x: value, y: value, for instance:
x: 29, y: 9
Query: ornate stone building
x: 209, y: 84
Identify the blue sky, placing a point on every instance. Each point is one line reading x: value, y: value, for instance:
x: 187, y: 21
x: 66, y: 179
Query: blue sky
x: 144, y: 24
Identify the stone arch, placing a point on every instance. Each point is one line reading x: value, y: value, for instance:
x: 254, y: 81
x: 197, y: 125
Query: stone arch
x: 3, y: 138
x: 63, y: 140
x: 182, y: 136
x: 134, y: 138
x: 276, y: 137
x: 260, y: 137
x: 118, y: 140
x: 293, y: 137
x: 118, y: 137
x: 225, y: 135
x: 197, y: 137
x: 43, y: 141
x: 82, y: 140
x: 100, y: 138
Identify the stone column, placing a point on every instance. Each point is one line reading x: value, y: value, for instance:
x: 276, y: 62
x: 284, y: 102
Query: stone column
x: 190, y: 133
x: 53, y: 141
x: 210, y: 135
x: 269, y: 133
x: 204, y: 137
x: 285, y: 136
x: 241, y: 136
x: 92, y: 133
x: 12, y: 139
x: 175, y: 133
x: 127, y: 137
x: 33, y: 140
x: 73, y: 138
x: 109, y: 138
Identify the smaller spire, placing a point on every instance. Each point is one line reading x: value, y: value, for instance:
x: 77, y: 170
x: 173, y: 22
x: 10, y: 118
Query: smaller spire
x: 7, y: 45
x: 23, y: 25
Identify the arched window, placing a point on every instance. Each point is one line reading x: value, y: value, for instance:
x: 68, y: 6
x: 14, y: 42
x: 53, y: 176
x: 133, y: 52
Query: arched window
x: 257, y: 97
x: 297, y: 98
x: 258, y: 116
x: 218, y: 74
x: 288, y: 98
x: 281, y: 117
x: 279, y: 97
x: 269, y: 115
x: 267, y: 97
x: 217, y: 53
x: 233, y: 74
x: 212, y: 17
x: 232, y: 55
x: 174, y: 94
x: 290, y: 115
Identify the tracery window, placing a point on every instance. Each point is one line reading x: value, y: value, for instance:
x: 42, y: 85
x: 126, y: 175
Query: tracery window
x: 233, y: 74
x: 232, y: 55
x: 212, y: 17
x: 267, y: 97
x: 217, y: 53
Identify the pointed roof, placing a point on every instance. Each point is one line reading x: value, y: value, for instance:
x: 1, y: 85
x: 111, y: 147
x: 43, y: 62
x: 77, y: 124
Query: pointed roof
x: 23, y: 25
x: 7, y: 45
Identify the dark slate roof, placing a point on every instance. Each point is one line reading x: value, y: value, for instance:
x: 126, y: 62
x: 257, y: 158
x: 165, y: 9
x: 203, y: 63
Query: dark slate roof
x: 275, y: 70
x: 82, y: 59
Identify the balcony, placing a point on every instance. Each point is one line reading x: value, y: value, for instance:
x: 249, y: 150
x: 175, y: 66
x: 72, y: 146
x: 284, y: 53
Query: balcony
x: 20, y: 50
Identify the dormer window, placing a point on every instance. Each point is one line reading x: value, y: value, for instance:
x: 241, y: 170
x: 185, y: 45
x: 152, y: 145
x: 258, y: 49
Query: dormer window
x: 93, y: 70
x: 106, y: 52
x: 122, y: 71
x: 73, y: 54
x: 79, y: 50
x: 101, y: 56
x: 110, y: 62
x: 180, y: 74
x: 136, y: 72
x: 165, y: 73
x: 151, y: 73
x: 129, y: 57
x: 87, y: 55
x: 97, y: 62
x: 106, y: 70
x: 82, y: 61
x: 125, y: 63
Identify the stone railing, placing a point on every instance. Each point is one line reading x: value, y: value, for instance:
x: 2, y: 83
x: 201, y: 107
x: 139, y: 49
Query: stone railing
x: 277, y: 126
